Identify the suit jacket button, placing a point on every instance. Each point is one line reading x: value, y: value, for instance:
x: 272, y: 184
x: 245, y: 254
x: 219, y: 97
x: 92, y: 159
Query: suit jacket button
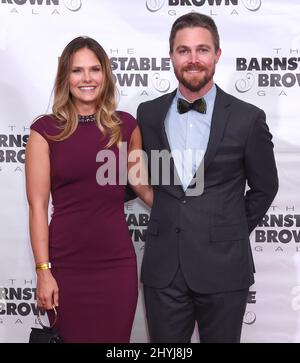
x: 183, y: 201
x: 177, y: 230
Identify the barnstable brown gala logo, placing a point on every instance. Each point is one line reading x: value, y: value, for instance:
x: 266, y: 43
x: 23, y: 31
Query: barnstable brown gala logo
x: 72, y: 5
x: 31, y: 2
x: 274, y: 72
x: 156, y: 5
x: 12, y: 148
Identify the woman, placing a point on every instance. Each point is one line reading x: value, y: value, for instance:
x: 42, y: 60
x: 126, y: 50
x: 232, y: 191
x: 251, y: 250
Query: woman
x: 85, y: 261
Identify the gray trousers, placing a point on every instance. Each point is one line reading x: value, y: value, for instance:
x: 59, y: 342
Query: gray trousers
x: 172, y: 312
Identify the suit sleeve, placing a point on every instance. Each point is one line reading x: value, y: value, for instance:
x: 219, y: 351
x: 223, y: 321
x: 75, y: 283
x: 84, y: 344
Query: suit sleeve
x: 129, y: 194
x: 138, y: 115
x: 261, y: 172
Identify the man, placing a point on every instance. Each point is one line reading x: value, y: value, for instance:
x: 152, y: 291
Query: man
x: 198, y: 264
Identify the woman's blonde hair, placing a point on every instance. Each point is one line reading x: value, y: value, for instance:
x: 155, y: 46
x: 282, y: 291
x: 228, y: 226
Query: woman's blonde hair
x: 63, y: 106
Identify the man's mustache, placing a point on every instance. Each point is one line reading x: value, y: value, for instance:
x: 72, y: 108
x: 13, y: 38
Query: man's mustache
x: 194, y: 67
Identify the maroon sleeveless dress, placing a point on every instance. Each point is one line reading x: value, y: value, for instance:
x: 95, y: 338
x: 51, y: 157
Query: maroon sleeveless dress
x: 93, y: 259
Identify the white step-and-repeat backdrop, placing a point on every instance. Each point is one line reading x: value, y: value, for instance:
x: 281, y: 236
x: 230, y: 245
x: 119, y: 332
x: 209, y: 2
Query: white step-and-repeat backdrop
x: 260, y: 63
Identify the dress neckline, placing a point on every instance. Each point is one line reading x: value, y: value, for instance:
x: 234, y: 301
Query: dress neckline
x: 86, y: 118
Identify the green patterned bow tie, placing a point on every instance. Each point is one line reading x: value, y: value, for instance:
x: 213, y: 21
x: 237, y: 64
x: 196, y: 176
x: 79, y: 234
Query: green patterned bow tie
x: 184, y: 106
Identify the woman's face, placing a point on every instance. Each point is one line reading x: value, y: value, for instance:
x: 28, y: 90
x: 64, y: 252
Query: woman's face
x: 86, y: 77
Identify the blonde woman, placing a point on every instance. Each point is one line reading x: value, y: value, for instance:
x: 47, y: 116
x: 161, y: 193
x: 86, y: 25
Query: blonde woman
x: 85, y: 261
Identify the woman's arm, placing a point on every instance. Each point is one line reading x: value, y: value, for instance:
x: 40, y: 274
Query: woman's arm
x: 137, y: 169
x: 37, y: 168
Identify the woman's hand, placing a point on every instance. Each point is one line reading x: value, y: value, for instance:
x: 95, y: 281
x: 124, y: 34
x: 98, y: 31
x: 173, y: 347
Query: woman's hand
x: 47, y: 290
x: 137, y: 169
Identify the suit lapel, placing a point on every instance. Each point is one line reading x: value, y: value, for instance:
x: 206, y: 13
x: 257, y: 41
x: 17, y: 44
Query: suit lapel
x: 219, y: 121
x: 160, y: 116
x: 218, y: 124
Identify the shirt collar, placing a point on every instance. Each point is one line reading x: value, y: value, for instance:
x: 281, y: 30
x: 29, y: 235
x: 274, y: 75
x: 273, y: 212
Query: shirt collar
x: 209, y: 96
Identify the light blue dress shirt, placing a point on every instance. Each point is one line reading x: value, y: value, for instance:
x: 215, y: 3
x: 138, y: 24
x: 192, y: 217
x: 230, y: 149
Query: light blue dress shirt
x: 188, y: 135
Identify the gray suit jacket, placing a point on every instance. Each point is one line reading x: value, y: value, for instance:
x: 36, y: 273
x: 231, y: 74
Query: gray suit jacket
x: 208, y: 235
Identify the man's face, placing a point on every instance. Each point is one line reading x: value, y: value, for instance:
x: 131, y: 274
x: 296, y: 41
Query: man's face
x: 194, y: 58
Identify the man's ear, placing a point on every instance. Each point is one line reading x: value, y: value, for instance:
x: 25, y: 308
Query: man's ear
x: 171, y: 57
x: 218, y: 55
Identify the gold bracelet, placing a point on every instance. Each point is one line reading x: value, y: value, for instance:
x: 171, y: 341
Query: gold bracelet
x: 43, y: 266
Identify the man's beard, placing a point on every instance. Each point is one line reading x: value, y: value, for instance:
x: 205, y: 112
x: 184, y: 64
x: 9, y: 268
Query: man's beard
x: 194, y: 85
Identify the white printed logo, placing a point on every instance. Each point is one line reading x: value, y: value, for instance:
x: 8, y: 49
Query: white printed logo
x: 249, y: 318
x: 252, y: 5
x: 73, y: 5
x: 154, y: 5
x: 245, y: 84
x: 160, y: 84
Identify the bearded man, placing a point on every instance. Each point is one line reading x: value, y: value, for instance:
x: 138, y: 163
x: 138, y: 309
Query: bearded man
x: 198, y: 265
